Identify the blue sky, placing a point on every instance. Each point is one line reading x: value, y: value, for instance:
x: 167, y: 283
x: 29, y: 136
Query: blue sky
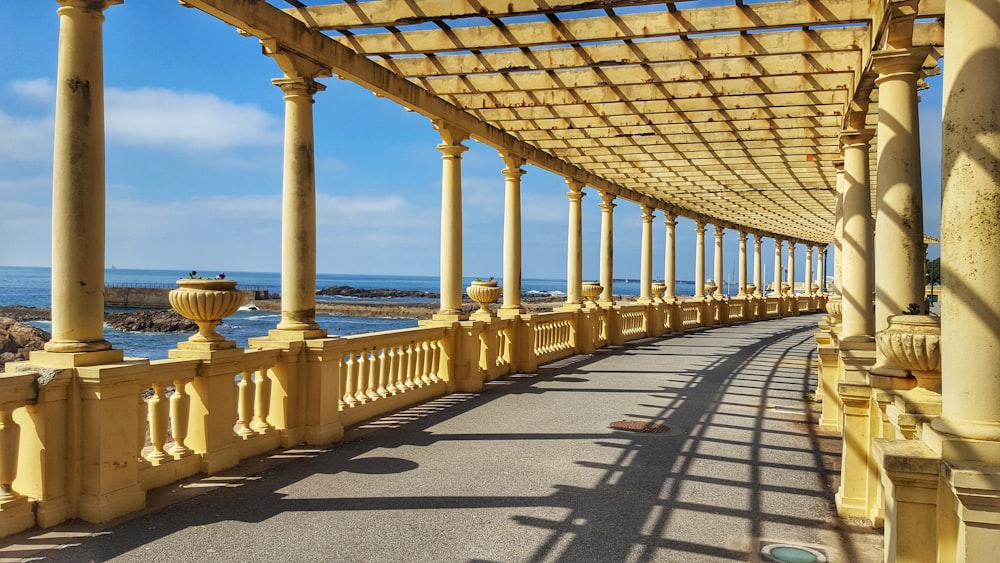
x: 194, y: 150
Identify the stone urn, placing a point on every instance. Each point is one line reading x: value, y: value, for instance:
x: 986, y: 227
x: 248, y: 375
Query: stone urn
x: 785, y: 289
x: 834, y: 306
x: 592, y: 290
x: 658, y: 289
x: 815, y: 288
x: 710, y: 288
x: 913, y: 343
x: 207, y: 302
x: 484, y: 292
x: 751, y: 290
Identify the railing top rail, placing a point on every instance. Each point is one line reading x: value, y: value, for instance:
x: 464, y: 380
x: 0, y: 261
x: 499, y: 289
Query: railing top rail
x: 17, y: 388
x: 391, y: 336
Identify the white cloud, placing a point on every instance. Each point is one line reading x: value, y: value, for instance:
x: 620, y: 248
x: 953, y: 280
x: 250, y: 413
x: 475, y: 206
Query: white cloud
x: 26, y: 138
x: 186, y: 120
x: 42, y: 90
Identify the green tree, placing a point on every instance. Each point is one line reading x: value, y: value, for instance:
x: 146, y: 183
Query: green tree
x: 933, y: 270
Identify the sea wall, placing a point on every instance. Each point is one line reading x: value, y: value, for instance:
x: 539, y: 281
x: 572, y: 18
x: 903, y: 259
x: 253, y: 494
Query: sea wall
x: 157, y: 297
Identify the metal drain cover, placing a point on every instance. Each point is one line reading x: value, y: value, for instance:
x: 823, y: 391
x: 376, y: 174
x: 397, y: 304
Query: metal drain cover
x: 789, y: 553
x: 640, y: 426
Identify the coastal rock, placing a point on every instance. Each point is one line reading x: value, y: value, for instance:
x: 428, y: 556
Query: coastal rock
x: 150, y: 321
x: 18, y: 339
x: 348, y: 291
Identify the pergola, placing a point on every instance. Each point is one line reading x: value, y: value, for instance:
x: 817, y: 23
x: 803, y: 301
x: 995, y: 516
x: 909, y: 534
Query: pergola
x: 795, y: 120
x: 730, y: 112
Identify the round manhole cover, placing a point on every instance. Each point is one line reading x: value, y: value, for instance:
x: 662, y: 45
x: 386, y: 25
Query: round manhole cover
x: 640, y: 426
x: 785, y: 553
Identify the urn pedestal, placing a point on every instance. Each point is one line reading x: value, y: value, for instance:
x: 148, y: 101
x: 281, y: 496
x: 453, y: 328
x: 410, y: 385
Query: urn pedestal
x: 591, y: 291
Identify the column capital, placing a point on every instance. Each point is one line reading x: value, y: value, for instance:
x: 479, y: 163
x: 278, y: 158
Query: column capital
x: 670, y: 219
x: 295, y: 86
x: 512, y: 164
x: 757, y: 240
x: 608, y: 199
x: 856, y: 137
x: 838, y: 164
x: 899, y: 62
x: 93, y: 6
x: 719, y: 231
x: 699, y: 227
x: 450, y: 135
x: 575, y: 185
x: 742, y: 235
x: 647, y: 213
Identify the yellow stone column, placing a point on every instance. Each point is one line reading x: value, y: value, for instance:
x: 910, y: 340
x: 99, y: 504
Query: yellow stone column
x: 857, y: 263
x: 899, y: 277
x: 298, y: 205
x: 78, y: 200
x: 777, y: 265
x: 791, y: 266
x: 719, y: 275
x: 670, y: 259
x: 607, y: 248
x: 970, y: 235
x: 646, y: 261
x: 809, y: 270
x: 838, y: 232
x: 512, y: 173
x: 574, y: 253
x: 699, y: 260
x: 758, y: 266
x: 451, y: 221
x: 742, y: 267
x: 821, y: 276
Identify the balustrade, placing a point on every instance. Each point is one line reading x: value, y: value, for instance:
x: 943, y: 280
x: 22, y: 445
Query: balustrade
x: 691, y: 314
x: 553, y: 336
x: 633, y: 321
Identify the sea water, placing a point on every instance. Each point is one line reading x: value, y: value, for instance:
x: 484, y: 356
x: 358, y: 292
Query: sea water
x: 32, y: 287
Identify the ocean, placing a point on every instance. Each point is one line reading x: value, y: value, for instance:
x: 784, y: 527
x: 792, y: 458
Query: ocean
x: 32, y: 287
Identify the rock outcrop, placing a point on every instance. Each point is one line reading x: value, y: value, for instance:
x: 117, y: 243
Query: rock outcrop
x: 18, y: 339
x: 150, y: 321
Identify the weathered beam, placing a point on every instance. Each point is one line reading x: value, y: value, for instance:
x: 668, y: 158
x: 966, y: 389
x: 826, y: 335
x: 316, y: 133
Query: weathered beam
x: 695, y: 110
x: 760, y: 68
x: 700, y: 48
x: 742, y: 17
x: 391, y: 13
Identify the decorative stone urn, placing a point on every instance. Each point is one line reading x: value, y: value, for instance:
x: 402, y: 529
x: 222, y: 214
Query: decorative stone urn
x: 658, y: 288
x: 913, y: 343
x: 207, y: 302
x: 834, y: 306
x: 710, y: 288
x: 785, y: 288
x: 751, y: 289
x: 592, y: 290
x: 484, y: 292
x: 815, y: 288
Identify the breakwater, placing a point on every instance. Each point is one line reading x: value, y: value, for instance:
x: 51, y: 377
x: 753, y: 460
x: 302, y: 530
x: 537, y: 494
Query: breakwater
x: 155, y: 296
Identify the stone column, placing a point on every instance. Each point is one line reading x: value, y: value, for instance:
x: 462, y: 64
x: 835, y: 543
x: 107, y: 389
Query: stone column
x: 821, y: 276
x: 791, y: 266
x: 574, y: 253
x: 78, y: 200
x: 512, y: 173
x: 607, y: 248
x: 298, y: 206
x: 899, y: 277
x: 719, y: 281
x: 838, y: 233
x: 699, y: 260
x: 670, y: 259
x: 777, y: 265
x: 809, y: 270
x: 742, y: 268
x: 970, y: 233
x: 857, y: 262
x: 646, y: 265
x: 451, y: 220
x: 758, y: 266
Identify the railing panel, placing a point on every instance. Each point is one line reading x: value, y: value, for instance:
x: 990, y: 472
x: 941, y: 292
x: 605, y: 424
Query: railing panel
x: 633, y: 321
x: 690, y: 314
x: 16, y: 392
x: 552, y: 334
x: 737, y: 310
x: 772, y: 307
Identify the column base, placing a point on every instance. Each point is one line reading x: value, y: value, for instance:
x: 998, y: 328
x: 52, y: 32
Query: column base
x: 76, y: 346
x: 449, y: 316
x: 296, y: 334
x: 46, y: 358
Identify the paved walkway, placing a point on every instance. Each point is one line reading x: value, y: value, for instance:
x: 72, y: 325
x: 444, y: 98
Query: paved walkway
x: 529, y: 470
